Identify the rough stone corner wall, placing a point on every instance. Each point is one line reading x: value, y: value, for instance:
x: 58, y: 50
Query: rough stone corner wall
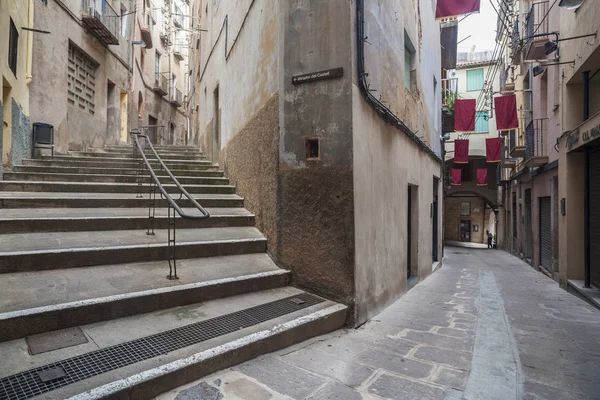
x: 316, y: 207
x: 251, y: 162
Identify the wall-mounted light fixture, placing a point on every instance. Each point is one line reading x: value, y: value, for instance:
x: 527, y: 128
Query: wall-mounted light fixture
x: 570, y: 4
x: 550, y: 47
x: 538, y: 70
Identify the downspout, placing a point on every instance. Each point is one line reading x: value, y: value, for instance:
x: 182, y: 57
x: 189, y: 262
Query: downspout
x: 384, y: 112
x: 29, y: 62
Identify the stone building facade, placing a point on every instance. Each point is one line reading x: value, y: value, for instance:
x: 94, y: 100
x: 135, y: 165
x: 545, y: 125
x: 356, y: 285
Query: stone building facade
x: 16, y: 77
x: 469, y: 224
x: 342, y: 168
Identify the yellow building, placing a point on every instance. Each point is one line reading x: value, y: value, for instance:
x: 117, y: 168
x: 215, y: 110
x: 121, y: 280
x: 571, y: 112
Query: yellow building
x: 15, y: 72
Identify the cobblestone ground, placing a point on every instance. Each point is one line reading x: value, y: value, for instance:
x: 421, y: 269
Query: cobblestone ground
x: 485, y: 326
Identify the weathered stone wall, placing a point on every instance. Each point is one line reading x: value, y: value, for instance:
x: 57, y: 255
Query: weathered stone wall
x: 477, y: 217
x: 1, y: 133
x: 74, y: 129
x: 21, y: 136
x: 251, y: 162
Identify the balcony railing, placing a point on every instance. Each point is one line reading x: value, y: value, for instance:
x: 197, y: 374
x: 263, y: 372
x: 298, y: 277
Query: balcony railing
x: 177, y: 98
x: 536, y: 23
x: 102, y: 20
x: 449, y: 92
x: 535, y: 150
x: 178, y: 51
x: 161, y: 85
x: 178, y: 17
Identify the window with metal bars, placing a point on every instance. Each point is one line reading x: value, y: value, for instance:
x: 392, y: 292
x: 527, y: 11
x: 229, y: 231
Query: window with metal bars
x: 13, y: 47
x: 81, y: 83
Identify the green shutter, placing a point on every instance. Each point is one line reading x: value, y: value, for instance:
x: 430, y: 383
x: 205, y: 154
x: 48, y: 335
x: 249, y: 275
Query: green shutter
x: 475, y: 79
x: 407, y: 63
x: 481, y: 123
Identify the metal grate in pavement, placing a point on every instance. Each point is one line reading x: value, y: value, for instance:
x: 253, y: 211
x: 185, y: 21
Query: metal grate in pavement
x: 27, y: 384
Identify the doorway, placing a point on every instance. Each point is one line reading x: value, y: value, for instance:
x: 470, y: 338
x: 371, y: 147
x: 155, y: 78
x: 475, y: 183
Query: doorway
x: 528, y: 227
x: 216, y: 143
x: 465, y: 230
x: 123, y: 109
x: 545, y: 233
x: 434, y: 221
x: 5, y: 140
x: 153, y: 130
x: 412, y: 234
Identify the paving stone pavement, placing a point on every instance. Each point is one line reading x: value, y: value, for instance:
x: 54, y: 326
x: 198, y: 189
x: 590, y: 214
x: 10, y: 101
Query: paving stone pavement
x: 484, y: 326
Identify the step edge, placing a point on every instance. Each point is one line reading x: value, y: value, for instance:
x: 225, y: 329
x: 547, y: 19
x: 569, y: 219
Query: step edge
x: 115, y: 388
x: 126, y: 247
x: 139, y: 294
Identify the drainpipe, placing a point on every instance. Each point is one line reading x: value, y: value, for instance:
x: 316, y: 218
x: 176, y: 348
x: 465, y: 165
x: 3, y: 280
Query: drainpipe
x: 29, y: 61
x: 586, y: 95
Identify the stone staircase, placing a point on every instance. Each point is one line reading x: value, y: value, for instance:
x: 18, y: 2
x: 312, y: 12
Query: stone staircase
x: 74, y: 254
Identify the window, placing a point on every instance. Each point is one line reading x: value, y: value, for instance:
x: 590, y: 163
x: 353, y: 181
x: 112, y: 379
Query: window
x: 157, y: 68
x: 481, y: 122
x: 475, y: 79
x: 125, y: 22
x: 409, y: 61
x: 465, y: 208
x: 81, y: 82
x: 13, y: 47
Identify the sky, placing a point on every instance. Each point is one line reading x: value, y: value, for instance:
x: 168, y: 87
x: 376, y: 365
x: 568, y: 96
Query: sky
x: 481, y: 27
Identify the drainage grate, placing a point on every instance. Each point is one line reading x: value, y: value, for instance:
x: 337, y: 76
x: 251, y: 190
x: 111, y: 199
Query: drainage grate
x: 27, y: 384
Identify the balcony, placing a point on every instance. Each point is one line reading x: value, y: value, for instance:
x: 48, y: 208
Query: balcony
x: 516, y: 46
x: 178, y: 17
x: 449, y: 93
x: 535, y: 151
x: 515, y: 147
x: 102, y: 20
x: 178, y: 52
x: 161, y: 85
x: 177, y: 98
x: 536, y: 26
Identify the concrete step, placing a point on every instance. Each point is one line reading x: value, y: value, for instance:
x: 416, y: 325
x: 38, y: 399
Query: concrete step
x: 241, y: 339
x: 67, y: 168
x: 149, y: 154
x: 23, y: 220
x: 101, y: 163
x: 20, y: 252
x: 104, y: 160
x: 129, y: 150
x: 64, y: 177
x: 156, y: 146
x: 87, y: 295
x: 104, y: 187
x: 110, y: 200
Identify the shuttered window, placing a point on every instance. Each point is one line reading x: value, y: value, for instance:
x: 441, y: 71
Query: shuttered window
x: 13, y: 47
x: 481, y: 122
x: 475, y: 79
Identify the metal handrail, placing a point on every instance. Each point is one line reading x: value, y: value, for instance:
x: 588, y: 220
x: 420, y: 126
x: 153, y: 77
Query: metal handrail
x: 205, y: 214
x: 171, y: 203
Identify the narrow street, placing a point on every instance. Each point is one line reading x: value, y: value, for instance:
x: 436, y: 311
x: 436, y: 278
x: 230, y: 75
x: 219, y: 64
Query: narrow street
x: 485, y: 326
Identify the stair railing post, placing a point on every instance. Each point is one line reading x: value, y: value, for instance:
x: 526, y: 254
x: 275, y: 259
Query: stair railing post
x: 172, y: 244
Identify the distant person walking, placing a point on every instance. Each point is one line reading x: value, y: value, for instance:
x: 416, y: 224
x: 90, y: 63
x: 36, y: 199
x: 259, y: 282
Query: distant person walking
x: 490, y: 237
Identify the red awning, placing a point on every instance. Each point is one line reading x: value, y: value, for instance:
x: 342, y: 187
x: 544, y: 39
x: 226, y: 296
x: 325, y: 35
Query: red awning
x: 456, y: 176
x: 482, y: 176
x: 461, y: 151
x: 506, y: 112
x: 452, y: 8
x: 493, y: 150
x: 464, y: 115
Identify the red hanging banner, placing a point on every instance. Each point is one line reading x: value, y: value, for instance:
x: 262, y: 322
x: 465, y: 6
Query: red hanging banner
x: 482, y: 176
x: 452, y: 8
x: 461, y: 151
x: 493, y: 150
x: 506, y: 112
x: 464, y: 115
x: 456, y: 176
